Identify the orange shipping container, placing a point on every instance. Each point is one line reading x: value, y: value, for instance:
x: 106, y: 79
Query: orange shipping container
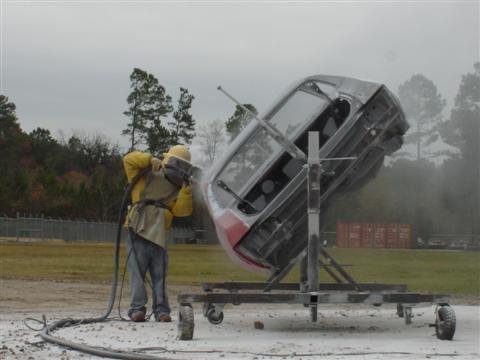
x: 379, y: 236
x: 367, y: 235
x: 342, y: 235
x: 354, y: 234
x: 404, y: 236
x: 392, y: 236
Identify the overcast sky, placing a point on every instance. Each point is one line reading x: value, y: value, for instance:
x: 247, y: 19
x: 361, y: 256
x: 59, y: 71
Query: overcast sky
x: 66, y: 64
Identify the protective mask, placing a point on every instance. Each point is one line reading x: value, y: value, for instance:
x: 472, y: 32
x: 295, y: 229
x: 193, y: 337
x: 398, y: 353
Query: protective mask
x: 177, y: 170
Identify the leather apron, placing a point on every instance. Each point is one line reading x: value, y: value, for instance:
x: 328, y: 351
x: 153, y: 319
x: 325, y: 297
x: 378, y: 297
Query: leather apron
x: 147, y: 216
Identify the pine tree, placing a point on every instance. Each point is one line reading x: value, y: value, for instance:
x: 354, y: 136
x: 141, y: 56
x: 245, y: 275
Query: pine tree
x: 14, y: 142
x: 182, y: 126
x: 43, y: 145
x: 422, y: 105
x: 157, y: 135
x: 8, y: 118
x: 13, y: 147
x: 462, y: 131
x: 148, y: 102
x: 240, y: 118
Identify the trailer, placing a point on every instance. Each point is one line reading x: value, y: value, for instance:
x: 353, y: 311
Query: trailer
x: 309, y: 291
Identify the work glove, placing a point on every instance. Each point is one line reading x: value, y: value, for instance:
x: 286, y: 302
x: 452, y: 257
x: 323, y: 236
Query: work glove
x: 186, y: 179
x: 156, y: 164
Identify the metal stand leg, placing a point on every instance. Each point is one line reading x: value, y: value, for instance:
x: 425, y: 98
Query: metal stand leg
x: 313, y: 200
x: 407, y: 314
x: 400, y: 310
x: 304, y: 275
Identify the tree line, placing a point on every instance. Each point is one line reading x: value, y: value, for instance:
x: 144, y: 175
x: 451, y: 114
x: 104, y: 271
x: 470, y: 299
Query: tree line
x: 70, y: 177
x: 437, y: 190
x: 80, y: 176
x: 433, y: 187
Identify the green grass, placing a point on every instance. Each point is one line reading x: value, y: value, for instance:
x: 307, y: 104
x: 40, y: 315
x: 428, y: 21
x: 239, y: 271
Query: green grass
x: 450, y: 272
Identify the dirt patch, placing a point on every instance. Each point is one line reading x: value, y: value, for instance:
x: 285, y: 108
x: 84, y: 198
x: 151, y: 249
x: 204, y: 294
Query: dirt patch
x: 36, y: 296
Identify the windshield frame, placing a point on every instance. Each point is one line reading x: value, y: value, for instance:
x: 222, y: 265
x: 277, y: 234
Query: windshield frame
x: 324, y: 101
x: 258, y: 173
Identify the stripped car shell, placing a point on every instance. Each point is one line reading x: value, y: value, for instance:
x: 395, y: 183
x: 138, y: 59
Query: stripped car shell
x: 256, y: 192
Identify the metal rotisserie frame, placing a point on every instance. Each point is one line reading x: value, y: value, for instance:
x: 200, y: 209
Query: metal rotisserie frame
x: 309, y: 291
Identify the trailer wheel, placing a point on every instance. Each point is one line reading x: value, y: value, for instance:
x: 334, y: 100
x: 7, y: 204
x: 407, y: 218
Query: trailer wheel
x: 185, y: 322
x: 213, y: 317
x: 445, y: 323
x: 206, y: 308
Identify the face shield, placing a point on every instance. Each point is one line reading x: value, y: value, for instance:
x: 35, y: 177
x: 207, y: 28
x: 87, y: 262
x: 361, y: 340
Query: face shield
x: 177, y: 170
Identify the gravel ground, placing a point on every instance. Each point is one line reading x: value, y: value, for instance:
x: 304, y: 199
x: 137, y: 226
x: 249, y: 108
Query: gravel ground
x: 342, y: 332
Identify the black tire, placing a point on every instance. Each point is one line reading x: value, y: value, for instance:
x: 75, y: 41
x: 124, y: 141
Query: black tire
x: 445, y: 323
x: 213, y: 318
x: 206, y: 308
x: 185, y: 322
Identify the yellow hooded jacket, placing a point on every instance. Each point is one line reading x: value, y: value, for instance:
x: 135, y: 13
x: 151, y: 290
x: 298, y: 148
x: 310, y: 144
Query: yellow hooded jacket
x: 179, y: 206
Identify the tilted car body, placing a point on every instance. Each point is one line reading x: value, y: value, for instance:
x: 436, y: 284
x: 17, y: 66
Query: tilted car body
x: 256, y: 192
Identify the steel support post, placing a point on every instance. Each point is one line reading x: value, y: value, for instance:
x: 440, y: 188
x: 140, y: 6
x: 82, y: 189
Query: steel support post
x: 16, y: 226
x: 304, y: 274
x: 313, y: 201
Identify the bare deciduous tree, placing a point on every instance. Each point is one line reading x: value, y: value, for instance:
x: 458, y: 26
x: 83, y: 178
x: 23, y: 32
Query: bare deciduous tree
x: 211, y: 137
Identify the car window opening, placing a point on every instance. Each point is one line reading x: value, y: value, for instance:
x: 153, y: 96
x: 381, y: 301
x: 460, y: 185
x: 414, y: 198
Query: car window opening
x: 327, y: 123
x: 250, y: 160
x: 242, y: 202
x: 270, y: 185
x: 301, y: 107
x: 286, y: 167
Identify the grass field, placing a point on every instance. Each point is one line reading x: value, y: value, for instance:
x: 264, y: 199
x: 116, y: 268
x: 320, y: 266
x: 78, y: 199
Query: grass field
x: 451, y: 272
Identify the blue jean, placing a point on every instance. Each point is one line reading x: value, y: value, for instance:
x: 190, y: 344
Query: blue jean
x: 146, y: 256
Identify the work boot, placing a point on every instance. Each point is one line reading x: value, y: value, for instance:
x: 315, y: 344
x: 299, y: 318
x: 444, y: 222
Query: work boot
x: 138, y: 316
x: 163, y: 318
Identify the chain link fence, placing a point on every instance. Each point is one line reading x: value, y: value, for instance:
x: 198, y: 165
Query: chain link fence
x: 34, y: 228
x: 24, y: 228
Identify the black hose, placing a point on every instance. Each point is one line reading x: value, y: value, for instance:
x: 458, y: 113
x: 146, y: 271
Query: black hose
x: 63, y: 323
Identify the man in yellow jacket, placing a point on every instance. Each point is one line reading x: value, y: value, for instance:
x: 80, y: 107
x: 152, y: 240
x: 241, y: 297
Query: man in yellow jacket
x: 156, y: 199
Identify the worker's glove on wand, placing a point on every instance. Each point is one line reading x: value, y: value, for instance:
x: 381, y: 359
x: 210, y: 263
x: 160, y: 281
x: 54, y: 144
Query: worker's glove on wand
x: 156, y: 164
x: 186, y: 179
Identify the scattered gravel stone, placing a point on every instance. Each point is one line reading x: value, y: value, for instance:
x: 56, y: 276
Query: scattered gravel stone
x: 258, y: 325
